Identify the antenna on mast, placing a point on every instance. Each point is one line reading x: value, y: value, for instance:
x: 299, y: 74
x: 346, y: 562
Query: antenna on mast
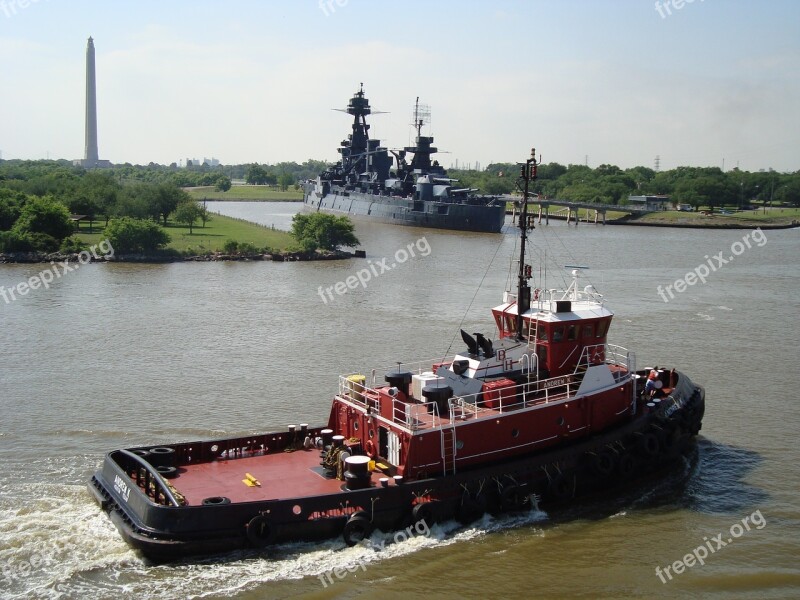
x: 422, y: 114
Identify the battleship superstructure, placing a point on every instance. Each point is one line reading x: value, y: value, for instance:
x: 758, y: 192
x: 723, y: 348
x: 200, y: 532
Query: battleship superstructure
x: 367, y: 183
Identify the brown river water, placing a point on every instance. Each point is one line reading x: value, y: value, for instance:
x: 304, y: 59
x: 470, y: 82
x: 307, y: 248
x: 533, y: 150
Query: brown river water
x: 116, y: 355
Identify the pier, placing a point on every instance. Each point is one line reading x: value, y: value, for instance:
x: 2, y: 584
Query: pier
x: 570, y: 208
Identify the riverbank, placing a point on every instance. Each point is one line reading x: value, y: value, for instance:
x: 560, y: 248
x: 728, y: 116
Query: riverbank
x: 772, y: 218
x: 246, y: 193
x: 167, y: 256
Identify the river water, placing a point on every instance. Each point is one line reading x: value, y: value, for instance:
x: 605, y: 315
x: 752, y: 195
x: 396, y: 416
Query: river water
x: 115, y: 355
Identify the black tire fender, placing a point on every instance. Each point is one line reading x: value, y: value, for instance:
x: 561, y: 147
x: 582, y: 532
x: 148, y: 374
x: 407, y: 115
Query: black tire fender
x: 560, y: 488
x: 425, y: 511
x: 357, y: 528
x: 649, y: 444
x: 261, y: 531
x: 514, y: 498
x: 604, y: 462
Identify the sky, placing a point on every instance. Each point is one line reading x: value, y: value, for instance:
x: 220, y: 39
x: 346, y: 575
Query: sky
x: 694, y: 82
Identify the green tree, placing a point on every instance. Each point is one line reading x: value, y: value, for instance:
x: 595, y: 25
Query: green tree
x: 11, y: 203
x: 44, y: 215
x: 223, y: 183
x: 128, y: 235
x: 285, y: 180
x: 187, y: 213
x: 321, y: 230
x: 256, y: 175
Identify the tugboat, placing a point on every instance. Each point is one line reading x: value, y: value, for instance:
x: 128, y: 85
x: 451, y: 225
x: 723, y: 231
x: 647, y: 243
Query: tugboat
x: 364, y: 185
x: 547, y: 411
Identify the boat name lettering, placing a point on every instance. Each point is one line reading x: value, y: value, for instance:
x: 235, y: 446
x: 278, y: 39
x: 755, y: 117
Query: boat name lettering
x: 121, y: 488
x: 555, y: 382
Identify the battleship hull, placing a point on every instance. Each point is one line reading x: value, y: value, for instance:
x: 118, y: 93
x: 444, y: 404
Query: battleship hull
x: 394, y: 210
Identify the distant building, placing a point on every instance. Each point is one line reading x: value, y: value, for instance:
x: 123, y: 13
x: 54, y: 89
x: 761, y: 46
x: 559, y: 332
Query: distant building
x: 209, y: 162
x: 651, y: 202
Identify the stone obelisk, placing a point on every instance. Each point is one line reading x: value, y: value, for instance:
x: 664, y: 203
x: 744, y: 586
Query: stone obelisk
x: 90, y: 155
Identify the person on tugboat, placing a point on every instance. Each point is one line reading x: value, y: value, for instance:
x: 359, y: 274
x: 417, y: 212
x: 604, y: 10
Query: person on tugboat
x: 651, y: 386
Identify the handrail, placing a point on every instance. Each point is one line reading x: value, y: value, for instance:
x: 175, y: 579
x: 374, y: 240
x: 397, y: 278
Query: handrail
x: 162, y: 484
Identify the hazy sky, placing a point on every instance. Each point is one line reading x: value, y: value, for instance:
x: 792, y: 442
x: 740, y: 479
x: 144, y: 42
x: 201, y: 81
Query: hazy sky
x: 620, y: 81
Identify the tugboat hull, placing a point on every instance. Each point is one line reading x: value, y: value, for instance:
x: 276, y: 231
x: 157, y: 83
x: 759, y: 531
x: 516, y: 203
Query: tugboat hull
x: 135, y: 495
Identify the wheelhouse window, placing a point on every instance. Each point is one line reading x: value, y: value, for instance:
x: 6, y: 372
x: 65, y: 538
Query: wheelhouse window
x: 541, y: 333
x: 511, y: 323
x: 572, y: 333
x: 602, y: 327
x: 558, y: 334
x: 588, y: 330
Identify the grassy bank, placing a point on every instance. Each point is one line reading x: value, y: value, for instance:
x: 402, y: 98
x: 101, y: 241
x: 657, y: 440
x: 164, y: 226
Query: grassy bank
x: 213, y: 236
x: 772, y: 216
x: 248, y: 193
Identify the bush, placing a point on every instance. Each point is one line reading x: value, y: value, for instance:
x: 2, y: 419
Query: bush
x: 320, y: 230
x: 12, y: 241
x: 128, y: 235
x: 44, y: 215
x: 72, y: 245
x: 231, y: 247
x: 247, y: 248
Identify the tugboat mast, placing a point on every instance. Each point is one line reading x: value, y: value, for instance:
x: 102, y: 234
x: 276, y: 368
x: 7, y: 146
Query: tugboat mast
x: 528, y: 174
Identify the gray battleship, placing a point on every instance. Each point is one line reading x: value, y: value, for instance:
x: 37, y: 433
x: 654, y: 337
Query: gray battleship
x: 366, y: 184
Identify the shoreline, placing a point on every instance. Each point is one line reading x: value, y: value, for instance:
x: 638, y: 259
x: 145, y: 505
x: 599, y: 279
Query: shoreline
x: 750, y: 225
x: 40, y: 257
x: 679, y: 225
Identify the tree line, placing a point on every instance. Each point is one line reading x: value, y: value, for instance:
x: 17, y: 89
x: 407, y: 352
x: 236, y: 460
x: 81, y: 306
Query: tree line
x: 609, y: 184
x: 38, y: 198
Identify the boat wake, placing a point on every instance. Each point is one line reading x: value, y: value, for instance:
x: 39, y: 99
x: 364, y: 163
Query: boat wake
x: 56, y: 544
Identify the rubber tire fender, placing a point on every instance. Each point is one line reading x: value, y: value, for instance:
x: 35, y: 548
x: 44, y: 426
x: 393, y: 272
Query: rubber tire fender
x: 649, y: 444
x: 261, y: 531
x: 425, y: 511
x: 514, y: 498
x: 559, y: 488
x: 357, y: 528
x: 626, y: 466
x: 604, y: 463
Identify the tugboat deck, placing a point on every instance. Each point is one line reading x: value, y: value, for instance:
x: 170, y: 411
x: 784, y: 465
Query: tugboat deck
x: 281, y: 475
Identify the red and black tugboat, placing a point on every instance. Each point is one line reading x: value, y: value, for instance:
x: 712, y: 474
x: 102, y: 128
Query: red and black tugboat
x: 548, y: 410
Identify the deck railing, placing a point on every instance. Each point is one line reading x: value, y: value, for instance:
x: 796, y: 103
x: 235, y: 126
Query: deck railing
x: 414, y: 415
